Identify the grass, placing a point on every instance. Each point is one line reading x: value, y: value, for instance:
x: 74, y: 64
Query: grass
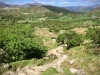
x: 67, y: 72
x: 50, y: 71
x: 46, y: 36
x: 30, y: 21
x: 32, y: 62
x: 88, y: 62
x: 80, y: 30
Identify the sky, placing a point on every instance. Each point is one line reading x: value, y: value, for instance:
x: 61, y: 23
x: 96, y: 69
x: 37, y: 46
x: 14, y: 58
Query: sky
x: 55, y: 2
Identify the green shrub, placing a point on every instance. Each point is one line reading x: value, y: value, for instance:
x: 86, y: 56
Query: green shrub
x: 94, y: 35
x: 71, y: 38
x: 20, y: 43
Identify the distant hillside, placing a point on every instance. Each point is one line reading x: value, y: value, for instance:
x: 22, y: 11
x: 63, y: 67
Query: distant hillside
x: 96, y: 12
x: 4, y: 4
x: 57, y: 9
x: 39, y: 9
x: 82, y: 8
x: 31, y: 4
x: 44, y: 10
x: 49, y: 7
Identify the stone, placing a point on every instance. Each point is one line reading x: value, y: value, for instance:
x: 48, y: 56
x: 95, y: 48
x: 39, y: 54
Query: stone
x: 46, y: 58
x: 29, y: 72
x: 9, y: 73
x: 72, y: 61
x: 80, y: 72
x: 25, y: 68
x: 60, y: 70
x: 56, y: 52
x: 36, y: 70
x: 5, y: 66
x: 72, y: 70
x: 21, y: 74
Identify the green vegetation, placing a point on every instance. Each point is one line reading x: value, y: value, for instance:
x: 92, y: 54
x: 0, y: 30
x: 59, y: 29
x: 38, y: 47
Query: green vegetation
x: 50, y: 71
x: 19, y: 43
x: 27, y: 33
x: 94, y: 35
x: 88, y: 62
x: 70, y: 38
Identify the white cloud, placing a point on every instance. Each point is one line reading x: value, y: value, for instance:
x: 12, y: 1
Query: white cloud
x: 90, y: 1
x: 51, y: 2
x: 43, y: 2
x: 64, y: 2
x: 47, y: 2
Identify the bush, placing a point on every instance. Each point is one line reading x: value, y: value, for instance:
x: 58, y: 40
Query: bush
x: 71, y: 38
x: 61, y: 38
x: 20, y: 43
x: 94, y: 35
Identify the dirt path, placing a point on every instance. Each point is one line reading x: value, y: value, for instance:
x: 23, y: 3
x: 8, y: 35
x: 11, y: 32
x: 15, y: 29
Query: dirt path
x: 36, y: 70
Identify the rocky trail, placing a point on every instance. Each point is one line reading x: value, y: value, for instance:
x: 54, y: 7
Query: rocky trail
x: 37, y: 70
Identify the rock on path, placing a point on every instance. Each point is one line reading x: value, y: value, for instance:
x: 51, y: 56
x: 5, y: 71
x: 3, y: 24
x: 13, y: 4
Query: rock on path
x: 36, y: 70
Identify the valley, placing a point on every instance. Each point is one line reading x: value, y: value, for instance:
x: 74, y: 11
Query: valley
x: 40, y: 39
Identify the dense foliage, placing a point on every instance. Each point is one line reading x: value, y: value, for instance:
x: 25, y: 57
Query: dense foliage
x: 94, y: 35
x: 19, y: 42
x: 70, y: 38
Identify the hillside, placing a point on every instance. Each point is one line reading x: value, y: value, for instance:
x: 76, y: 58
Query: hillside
x: 45, y: 10
x: 4, y: 4
x: 38, y: 39
x: 82, y: 8
x: 95, y: 13
x: 57, y: 9
x: 38, y: 9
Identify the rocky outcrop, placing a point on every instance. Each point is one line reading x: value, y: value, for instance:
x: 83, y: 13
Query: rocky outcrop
x: 71, y: 61
x: 9, y: 73
x: 36, y: 70
x: 55, y: 52
x: 72, y: 70
x: 60, y: 70
x: 80, y: 72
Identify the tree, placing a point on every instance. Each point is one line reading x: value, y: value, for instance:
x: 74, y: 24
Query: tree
x: 20, y: 43
x: 71, y: 38
x: 60, y: 38
x: 94, y: 35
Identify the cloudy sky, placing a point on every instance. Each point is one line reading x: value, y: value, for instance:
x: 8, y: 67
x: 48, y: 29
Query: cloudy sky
x: 55, y: 2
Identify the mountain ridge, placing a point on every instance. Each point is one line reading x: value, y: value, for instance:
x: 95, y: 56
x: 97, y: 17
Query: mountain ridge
x: 2, y: 4
x: 71, y: 8
x: 82, y: 8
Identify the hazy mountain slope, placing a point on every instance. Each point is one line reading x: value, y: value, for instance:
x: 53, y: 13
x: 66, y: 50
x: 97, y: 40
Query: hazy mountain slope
x: 4, y: 4
x: 44, y: 10
x: 31, y: 4
x: 56, y: 9
x: 82, y: 8
x: 96, y: 12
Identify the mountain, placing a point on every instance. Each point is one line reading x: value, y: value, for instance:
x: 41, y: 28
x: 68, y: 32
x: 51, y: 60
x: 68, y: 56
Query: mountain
x: 36, y: 6
x: 96, y: 12
x: 48, y: 7
x: 57, y: 9
x: 96, y: 6
x: 31, y: 4
x: 38, y: 10
x: 33, y: 7
x: 82, y: 8
x: 4, y: 4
